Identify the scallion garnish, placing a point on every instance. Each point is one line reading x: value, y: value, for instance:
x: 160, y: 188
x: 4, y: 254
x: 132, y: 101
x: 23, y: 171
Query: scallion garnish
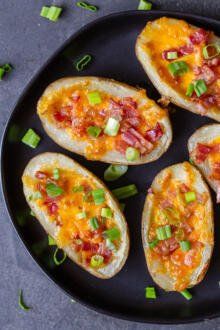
x: 6, y: 68
x: 36, y: 195
x: 96, y: 261
x: 94, y: 131
x: 51, y: 241
x: 82, y: 63
x: 178, y: 68
x: 98, y: 196
x: 81, y: 215
x: 153, y: 243
x: 172, y: 55
x: 200, y: 87
x: 163, y: 232
x: 144, y: 5
x: 53, y: 190
x: 210, y: 51
x: 21, y: 302
x: 190, y: 90
x: 185, y: 245
x: 44, y: 11
x: 94, y: 98
x: 191, y: 161
x: 52, y: 13
x: 78, y: 189
x: 125, y: 192
x: 93, y: 222
x: 59, y: 261
x: 2, y: 72
x: 112, y: 127
x: 112, y: 234
x: 31, y: 138
x: 86, y: 5
x: 56, y: 174
x: 114, y: 172
x: 132, y: 154
x: 186, y: 294
x: 106, y: 212
x: 150, y: 292
x: 190, y: 196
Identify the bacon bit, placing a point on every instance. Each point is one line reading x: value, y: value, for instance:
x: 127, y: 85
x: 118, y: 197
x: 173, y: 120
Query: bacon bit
x: 58, y: 116
x: 202, y: 152
x: 206, y: 73
x: 121, y: 146
x: 186, y: 227
x: 167, y: 246
x: 201, y: 198
x: 116, y: 110
x: 199, y: 36
x: 184, y: 188
x: 218, y: 194
x: 185, y: 50
x: 166, y: 203
x: 213, y: 62
x: 78, y: 126
x: 188, y: 260
x: 76, y: 97
x: 132, y: 121
x: 40, y: 175
x: 92, y: 247
x: 154, y: 134
x: 52, y: 208
x: 148, y: 145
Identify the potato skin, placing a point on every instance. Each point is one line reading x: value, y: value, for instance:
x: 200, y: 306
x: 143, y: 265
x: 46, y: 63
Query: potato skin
x: 115, y: 88
x: 165, y: 281
x: 61, y: 161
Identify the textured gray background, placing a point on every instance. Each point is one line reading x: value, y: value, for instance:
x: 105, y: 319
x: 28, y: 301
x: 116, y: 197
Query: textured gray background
x: 27, y: 41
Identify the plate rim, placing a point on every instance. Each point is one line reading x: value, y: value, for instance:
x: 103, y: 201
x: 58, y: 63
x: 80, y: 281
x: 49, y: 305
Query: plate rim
x: 118, y: 315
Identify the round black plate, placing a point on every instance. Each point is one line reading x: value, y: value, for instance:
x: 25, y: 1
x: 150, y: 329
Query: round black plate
x: 110, y: 41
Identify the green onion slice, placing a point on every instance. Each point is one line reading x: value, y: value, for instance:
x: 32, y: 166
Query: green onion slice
x: 153, y: 243
x: 82, y: 63
x: 59, y: 261
x: 112, y: 234
x: 31, y: 138
x: 86, y: 6
x: 51, y: 241
x: 7, y: 67
x: 94, y: 98
x: 125, y: 192
x: 36, y: 195
x: 190, y: 90
x: 56, y: 174
x: 2, y: 73
x: 163, y: 232
x: 94, y: 223
x: 185, y: 245
x: 200, y: 87
x: 96, y: 261
x: 132, y: 154
x: 106, y: 212
x: 44, y: 11
x: 144, y: 5
x: 21, y: 302
x: 190, y: 196
x: 191, y: 161
x: 94, y: 131
x: 81, y: 215
x: 78, y: 189
x: 112, y: 127
x: 54, y: 13
x: 98, y: 196
x: 150, y: 292
x: 114, y: 172
x: 210, y: 51
x: 178, y: 68
x: 172, y: 55
x: 53, y: 190
x: 186, y: 294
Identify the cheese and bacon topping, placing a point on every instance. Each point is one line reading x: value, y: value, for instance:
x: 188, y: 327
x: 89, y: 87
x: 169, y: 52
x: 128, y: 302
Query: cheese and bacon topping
x: 80, y: 211
x: 186, y: 58
x: 106, y: 123
x: 177, y: 233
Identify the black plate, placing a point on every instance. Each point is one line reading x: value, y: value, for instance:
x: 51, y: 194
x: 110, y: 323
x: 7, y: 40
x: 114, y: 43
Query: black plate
x: 111, y: 41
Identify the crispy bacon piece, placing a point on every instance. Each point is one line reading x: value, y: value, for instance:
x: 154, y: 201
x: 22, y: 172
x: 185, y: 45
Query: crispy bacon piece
x: 165, y: 203
x: 133, y: 138
x: 185, y: 50
x: 153, y: 135
x: 199, y: 36
x: 116, y: 110
x: 40, y: 175
x: 206, y: 73
x: 166, y: 247
x: 213, y: 62
x: 202, y: 152
x: 186, y: 227
x: 184, y: 188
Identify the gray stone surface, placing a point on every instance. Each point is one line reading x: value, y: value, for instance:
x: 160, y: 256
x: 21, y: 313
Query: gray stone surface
x: 27, y: 41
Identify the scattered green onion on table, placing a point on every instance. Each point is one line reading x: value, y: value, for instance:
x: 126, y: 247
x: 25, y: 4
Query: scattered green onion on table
x: 21, y: 302
x: 87, y: 6
x: 83, y: 62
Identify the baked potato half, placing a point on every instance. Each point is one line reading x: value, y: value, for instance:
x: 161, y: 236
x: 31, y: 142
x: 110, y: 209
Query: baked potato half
x: 177, y: 227
x: 78, y: 212
x: 204, y: 151
x: 183, y: 63
x: 104, y: 120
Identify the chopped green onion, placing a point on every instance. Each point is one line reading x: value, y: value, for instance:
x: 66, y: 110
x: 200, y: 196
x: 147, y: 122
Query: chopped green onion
x: 125, y: 192
x: 186, y: 294
x: 94, y: 131
x: 51, y: 241
x: 172, y: 55
x: 7, y: 67
x: 86, y: 6
x: 54, y: 13
x: 168, y: 231
x: 150, y: 292
x: 94, y: 98
x: 132, y: 154
x: 110, y: 245
x: 112, y: 234
x: 78, y: 189
x: 31, y: 138
x: 32, y: 214
x: 122, y: 206
x: 56, y: 260
x: 200, y: 87
x: 44, y: 11
x: 112, y: 127
x: 53, y: 190
x: 114, y: 172
x: 36, y: 195
x: 190, y: 196
x: 56, y: 174
x: 153, y: 243
x: 190, y: 90
x: 185, y: 245
x: 2, y: 72
x: 21, y: 302
x: 106, y: 212
x: 83, y: 62
x: 161, y: 233
x: 191, y: 161
x: 96, y: 261
x: 178, y: 68
x: 81, y: 215
x: 94, y: 223
x: 144, y: 5
x: 98, y: 196
x: 210, y: 51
